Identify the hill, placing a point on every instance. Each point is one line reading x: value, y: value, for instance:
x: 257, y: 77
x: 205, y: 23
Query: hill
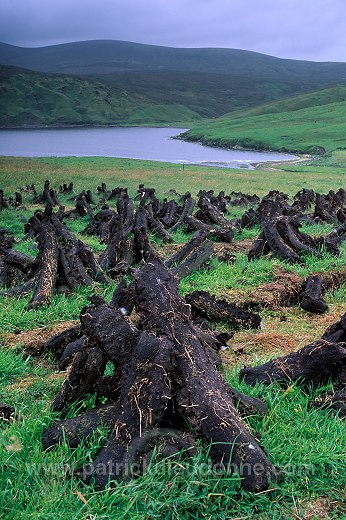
x: 121, y: 83
x: 208, y: 94
x: 107, y: 56
x: 32, y: 99
x: 309, y: 123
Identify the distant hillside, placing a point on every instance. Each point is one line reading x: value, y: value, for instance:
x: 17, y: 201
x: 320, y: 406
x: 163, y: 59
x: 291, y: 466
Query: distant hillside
x: 33, y: 99
x: 107, y: 56
x: 309, y: 123
x: 208, y: 94
x: 114, y: 82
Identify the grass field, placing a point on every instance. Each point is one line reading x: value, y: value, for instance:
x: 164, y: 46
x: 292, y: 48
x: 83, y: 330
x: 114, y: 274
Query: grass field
x: 310, y: 123
x: 309, y: 444
x: 88, y: 172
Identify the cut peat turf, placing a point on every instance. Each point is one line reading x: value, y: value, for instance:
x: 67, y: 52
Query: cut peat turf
x: 122, y: 398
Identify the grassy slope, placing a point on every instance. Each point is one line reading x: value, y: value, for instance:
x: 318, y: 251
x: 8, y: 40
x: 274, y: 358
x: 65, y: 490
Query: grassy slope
x: 128, y: 83
x: 164, y: 97
x: 304, y: 124
x: 208, y: 94
x: 309, y: 444
x: 124, y: 83
x: 34, y: 99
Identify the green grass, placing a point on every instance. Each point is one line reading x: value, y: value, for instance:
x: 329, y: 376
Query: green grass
x: 222, y: 276
x: 307, y: 123
x: 307, y: 443
x: 312, y: 264
x: 88, y: 172
x: 11, y: 366
x: 337, y: 296
x: 64, y: 307
x: 28, y: 247
x: 12, y: 220
x: 334, y: 159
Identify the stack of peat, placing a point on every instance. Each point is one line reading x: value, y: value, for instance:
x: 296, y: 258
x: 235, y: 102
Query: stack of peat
x: 164, y: 373
x: 281, y: 222
x: 63, y: 262
x: 165, y: 358
x: 318, y: 363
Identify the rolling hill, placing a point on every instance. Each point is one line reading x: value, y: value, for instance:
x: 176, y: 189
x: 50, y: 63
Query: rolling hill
x: 208, y: 94
x: 310, y: 123
x: 32, y: 99
x: 107, y: 56
x: 120, y: 83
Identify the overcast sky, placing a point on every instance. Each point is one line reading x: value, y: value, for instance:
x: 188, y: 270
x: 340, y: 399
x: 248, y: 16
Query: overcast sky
x: 300, y: 29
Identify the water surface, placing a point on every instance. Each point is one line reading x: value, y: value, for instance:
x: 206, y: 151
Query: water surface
x: 156, y: 144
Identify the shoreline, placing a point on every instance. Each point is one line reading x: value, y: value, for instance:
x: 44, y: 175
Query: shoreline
x: 271, y: 164
x: 178, y: 124
x: 299, y: 156
x: 245, y: 166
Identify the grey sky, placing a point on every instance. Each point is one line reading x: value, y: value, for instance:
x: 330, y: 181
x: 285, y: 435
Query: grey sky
x: 300, y: 29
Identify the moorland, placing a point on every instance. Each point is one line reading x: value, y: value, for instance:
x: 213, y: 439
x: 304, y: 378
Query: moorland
x: 111, y: 82
x: 301, y: 432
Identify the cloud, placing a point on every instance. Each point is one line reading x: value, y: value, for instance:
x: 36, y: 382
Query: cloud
x: 301, y: 29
